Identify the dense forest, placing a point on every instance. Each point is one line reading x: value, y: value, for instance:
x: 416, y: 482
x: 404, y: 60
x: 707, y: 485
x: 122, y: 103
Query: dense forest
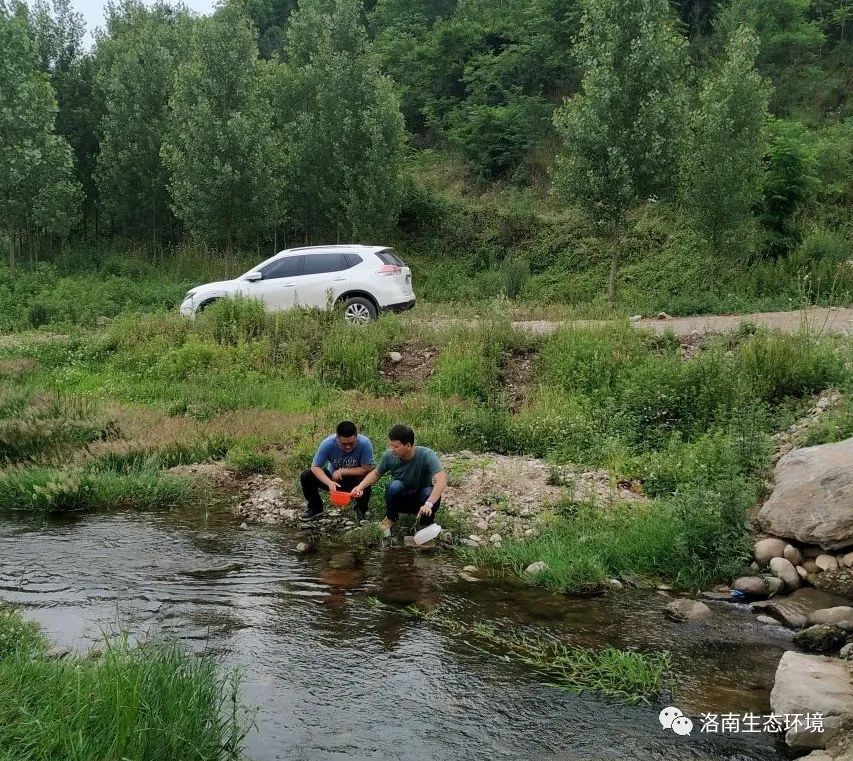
x: 693, y: 155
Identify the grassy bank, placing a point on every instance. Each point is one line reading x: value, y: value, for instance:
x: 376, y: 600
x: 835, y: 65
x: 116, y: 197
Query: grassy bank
x: 145, y: 703
x: 690, y: 426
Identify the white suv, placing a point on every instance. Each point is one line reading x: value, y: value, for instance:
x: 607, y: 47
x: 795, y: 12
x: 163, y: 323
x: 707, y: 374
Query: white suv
x: 363, y: 279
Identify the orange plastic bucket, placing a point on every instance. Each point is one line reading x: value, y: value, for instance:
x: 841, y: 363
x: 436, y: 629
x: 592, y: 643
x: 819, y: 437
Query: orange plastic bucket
x: 340, y: 498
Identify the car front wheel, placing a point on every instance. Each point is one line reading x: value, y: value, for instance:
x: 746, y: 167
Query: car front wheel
x: 359, y: 311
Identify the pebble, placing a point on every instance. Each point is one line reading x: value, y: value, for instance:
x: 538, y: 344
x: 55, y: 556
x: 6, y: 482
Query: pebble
x: 470, y: 569
x: 244, y: 526
x: 538, y: 567
x: 495, y: 538
x: 302, y: 547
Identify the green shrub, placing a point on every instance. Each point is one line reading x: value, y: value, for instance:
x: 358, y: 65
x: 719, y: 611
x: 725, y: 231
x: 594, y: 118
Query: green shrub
x: 349, y: 359
x: 17, y: 636
x: 244, y: 461
x: 776, y: 366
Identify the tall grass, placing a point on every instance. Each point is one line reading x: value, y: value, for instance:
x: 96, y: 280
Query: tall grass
x: 54, y: 490
x: 146, y: 703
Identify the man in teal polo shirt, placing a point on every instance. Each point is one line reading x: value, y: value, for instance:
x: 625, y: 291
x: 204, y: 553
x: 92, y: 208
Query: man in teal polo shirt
x: 418, y: 479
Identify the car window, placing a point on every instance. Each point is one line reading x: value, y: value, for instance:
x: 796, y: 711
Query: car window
x: 389, y: 257
x: 353, y: 260
x: 316, y: 264
x: 287, y: 266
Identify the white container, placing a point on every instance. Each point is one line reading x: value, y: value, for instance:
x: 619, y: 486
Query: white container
x: 427, y: 534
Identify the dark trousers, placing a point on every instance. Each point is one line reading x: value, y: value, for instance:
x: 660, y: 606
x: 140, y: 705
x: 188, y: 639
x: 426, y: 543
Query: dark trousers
x: 311, y: 486
x: 399, y: 498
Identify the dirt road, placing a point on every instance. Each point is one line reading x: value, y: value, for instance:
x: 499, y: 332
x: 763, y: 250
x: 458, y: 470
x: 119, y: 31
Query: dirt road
x: 821, y: 319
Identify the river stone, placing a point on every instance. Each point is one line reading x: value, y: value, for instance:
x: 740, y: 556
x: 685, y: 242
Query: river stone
x: 538, y: 567
x: 495, y: 538
x: 793, y: 554
x: 819, y: 638
x: 767, y: 620
x: 395, y: 357
x: 848, y: 560
x: 813, y: 498
x: 470, y: 569
x: 302, y: 547
x: 615, y: 585
x: 802, y: 572
x: 687, y: 610
x: 840, y: 616
x: 774, y: 585
x: 837, y: 582
x: 813, y: 684
x: 847, y: 652
x: 753, y: 586
x: 767, y: 549
x: 826, y: 562
x: 783, y: 569
x: 795, y: 609
x: 810, y: 566
x: 817, y: 755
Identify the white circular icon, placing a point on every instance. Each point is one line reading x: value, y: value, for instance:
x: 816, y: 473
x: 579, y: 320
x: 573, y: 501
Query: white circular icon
x: 682, y: 726
x: 668, y: 716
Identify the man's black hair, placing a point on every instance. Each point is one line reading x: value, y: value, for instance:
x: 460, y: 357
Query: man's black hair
x: 402, y: 433
x: 346, y: 429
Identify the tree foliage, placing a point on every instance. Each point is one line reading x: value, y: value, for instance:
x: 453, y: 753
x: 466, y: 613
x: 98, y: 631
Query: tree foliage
x: 343, y: 126
x: 623, y: 132
x: 223, y: 159
x: 38, y: 193
x: 724, y: 167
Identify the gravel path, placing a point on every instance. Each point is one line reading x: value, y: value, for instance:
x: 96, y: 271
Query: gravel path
x: 822, y: 319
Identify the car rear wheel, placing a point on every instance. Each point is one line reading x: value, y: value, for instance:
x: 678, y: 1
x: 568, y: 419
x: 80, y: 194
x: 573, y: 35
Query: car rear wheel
x: 359, y: 310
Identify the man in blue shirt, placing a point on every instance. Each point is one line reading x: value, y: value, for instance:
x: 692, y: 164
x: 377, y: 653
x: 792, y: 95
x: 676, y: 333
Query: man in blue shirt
x: 342, y: 461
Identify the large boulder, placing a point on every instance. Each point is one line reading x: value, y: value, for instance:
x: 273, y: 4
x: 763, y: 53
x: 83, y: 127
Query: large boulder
x: 837, y: 582
x: 813, y: 498
x: 810, y: 684
x: 751, y: 586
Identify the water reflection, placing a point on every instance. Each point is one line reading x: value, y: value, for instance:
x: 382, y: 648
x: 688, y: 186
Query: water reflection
x: 334, y: 676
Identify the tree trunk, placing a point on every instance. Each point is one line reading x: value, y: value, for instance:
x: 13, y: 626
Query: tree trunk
x: 614, y: 267
x: 12, y: 236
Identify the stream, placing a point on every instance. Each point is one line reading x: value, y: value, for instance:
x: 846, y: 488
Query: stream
x: 333, y: 677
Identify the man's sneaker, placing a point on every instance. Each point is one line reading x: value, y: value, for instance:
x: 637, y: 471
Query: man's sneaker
x: 310, y: 514
x: 385, y: 527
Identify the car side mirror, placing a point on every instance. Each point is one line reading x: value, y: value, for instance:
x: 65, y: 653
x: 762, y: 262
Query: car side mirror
x: 254, y: 276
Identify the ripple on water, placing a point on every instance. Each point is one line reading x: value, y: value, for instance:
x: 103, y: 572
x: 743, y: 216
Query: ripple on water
x: 334, y: 677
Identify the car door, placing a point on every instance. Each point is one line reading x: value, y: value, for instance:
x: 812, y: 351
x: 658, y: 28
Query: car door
x: 278, y: 284
x: 325, y: 276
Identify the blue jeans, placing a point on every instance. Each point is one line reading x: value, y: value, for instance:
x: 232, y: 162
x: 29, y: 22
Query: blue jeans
x: 400, y: 498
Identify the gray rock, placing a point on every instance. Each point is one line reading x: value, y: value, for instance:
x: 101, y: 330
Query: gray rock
x: 663, y: 316
x: 303, y: 547
x: 836, y: 582
x: 495, y: 538
x: 848, y: 560
x: 635, y: 318
x: 840, y: 616
x: 813, y: 498
x: 716, y: 596
x: 470, y: 569
x: 538, y: 567
x: 774, y: 585
x: 395, y: 357
x: 792, y: 554
x: 819, y: 638
x: 784, y: 569
x: 794, y: 610
x: 767, y: 620
x: 467, y: 577
x: 813, y: 684
x: 802, y: 572
x: 767, y: 549
x: 469, y: 543
x: 847, y: 652
x: 244, y: 526
x: 752, y: 586
x: 615, y: 585
x: 826, y: 562
x: 687, y: 610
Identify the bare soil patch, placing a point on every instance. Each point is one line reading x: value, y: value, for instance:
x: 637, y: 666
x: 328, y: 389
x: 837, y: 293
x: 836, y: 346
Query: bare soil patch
x: 411, y: 364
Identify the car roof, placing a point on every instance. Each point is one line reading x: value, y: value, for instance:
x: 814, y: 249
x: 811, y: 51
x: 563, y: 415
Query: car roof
x: 333, y: 249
